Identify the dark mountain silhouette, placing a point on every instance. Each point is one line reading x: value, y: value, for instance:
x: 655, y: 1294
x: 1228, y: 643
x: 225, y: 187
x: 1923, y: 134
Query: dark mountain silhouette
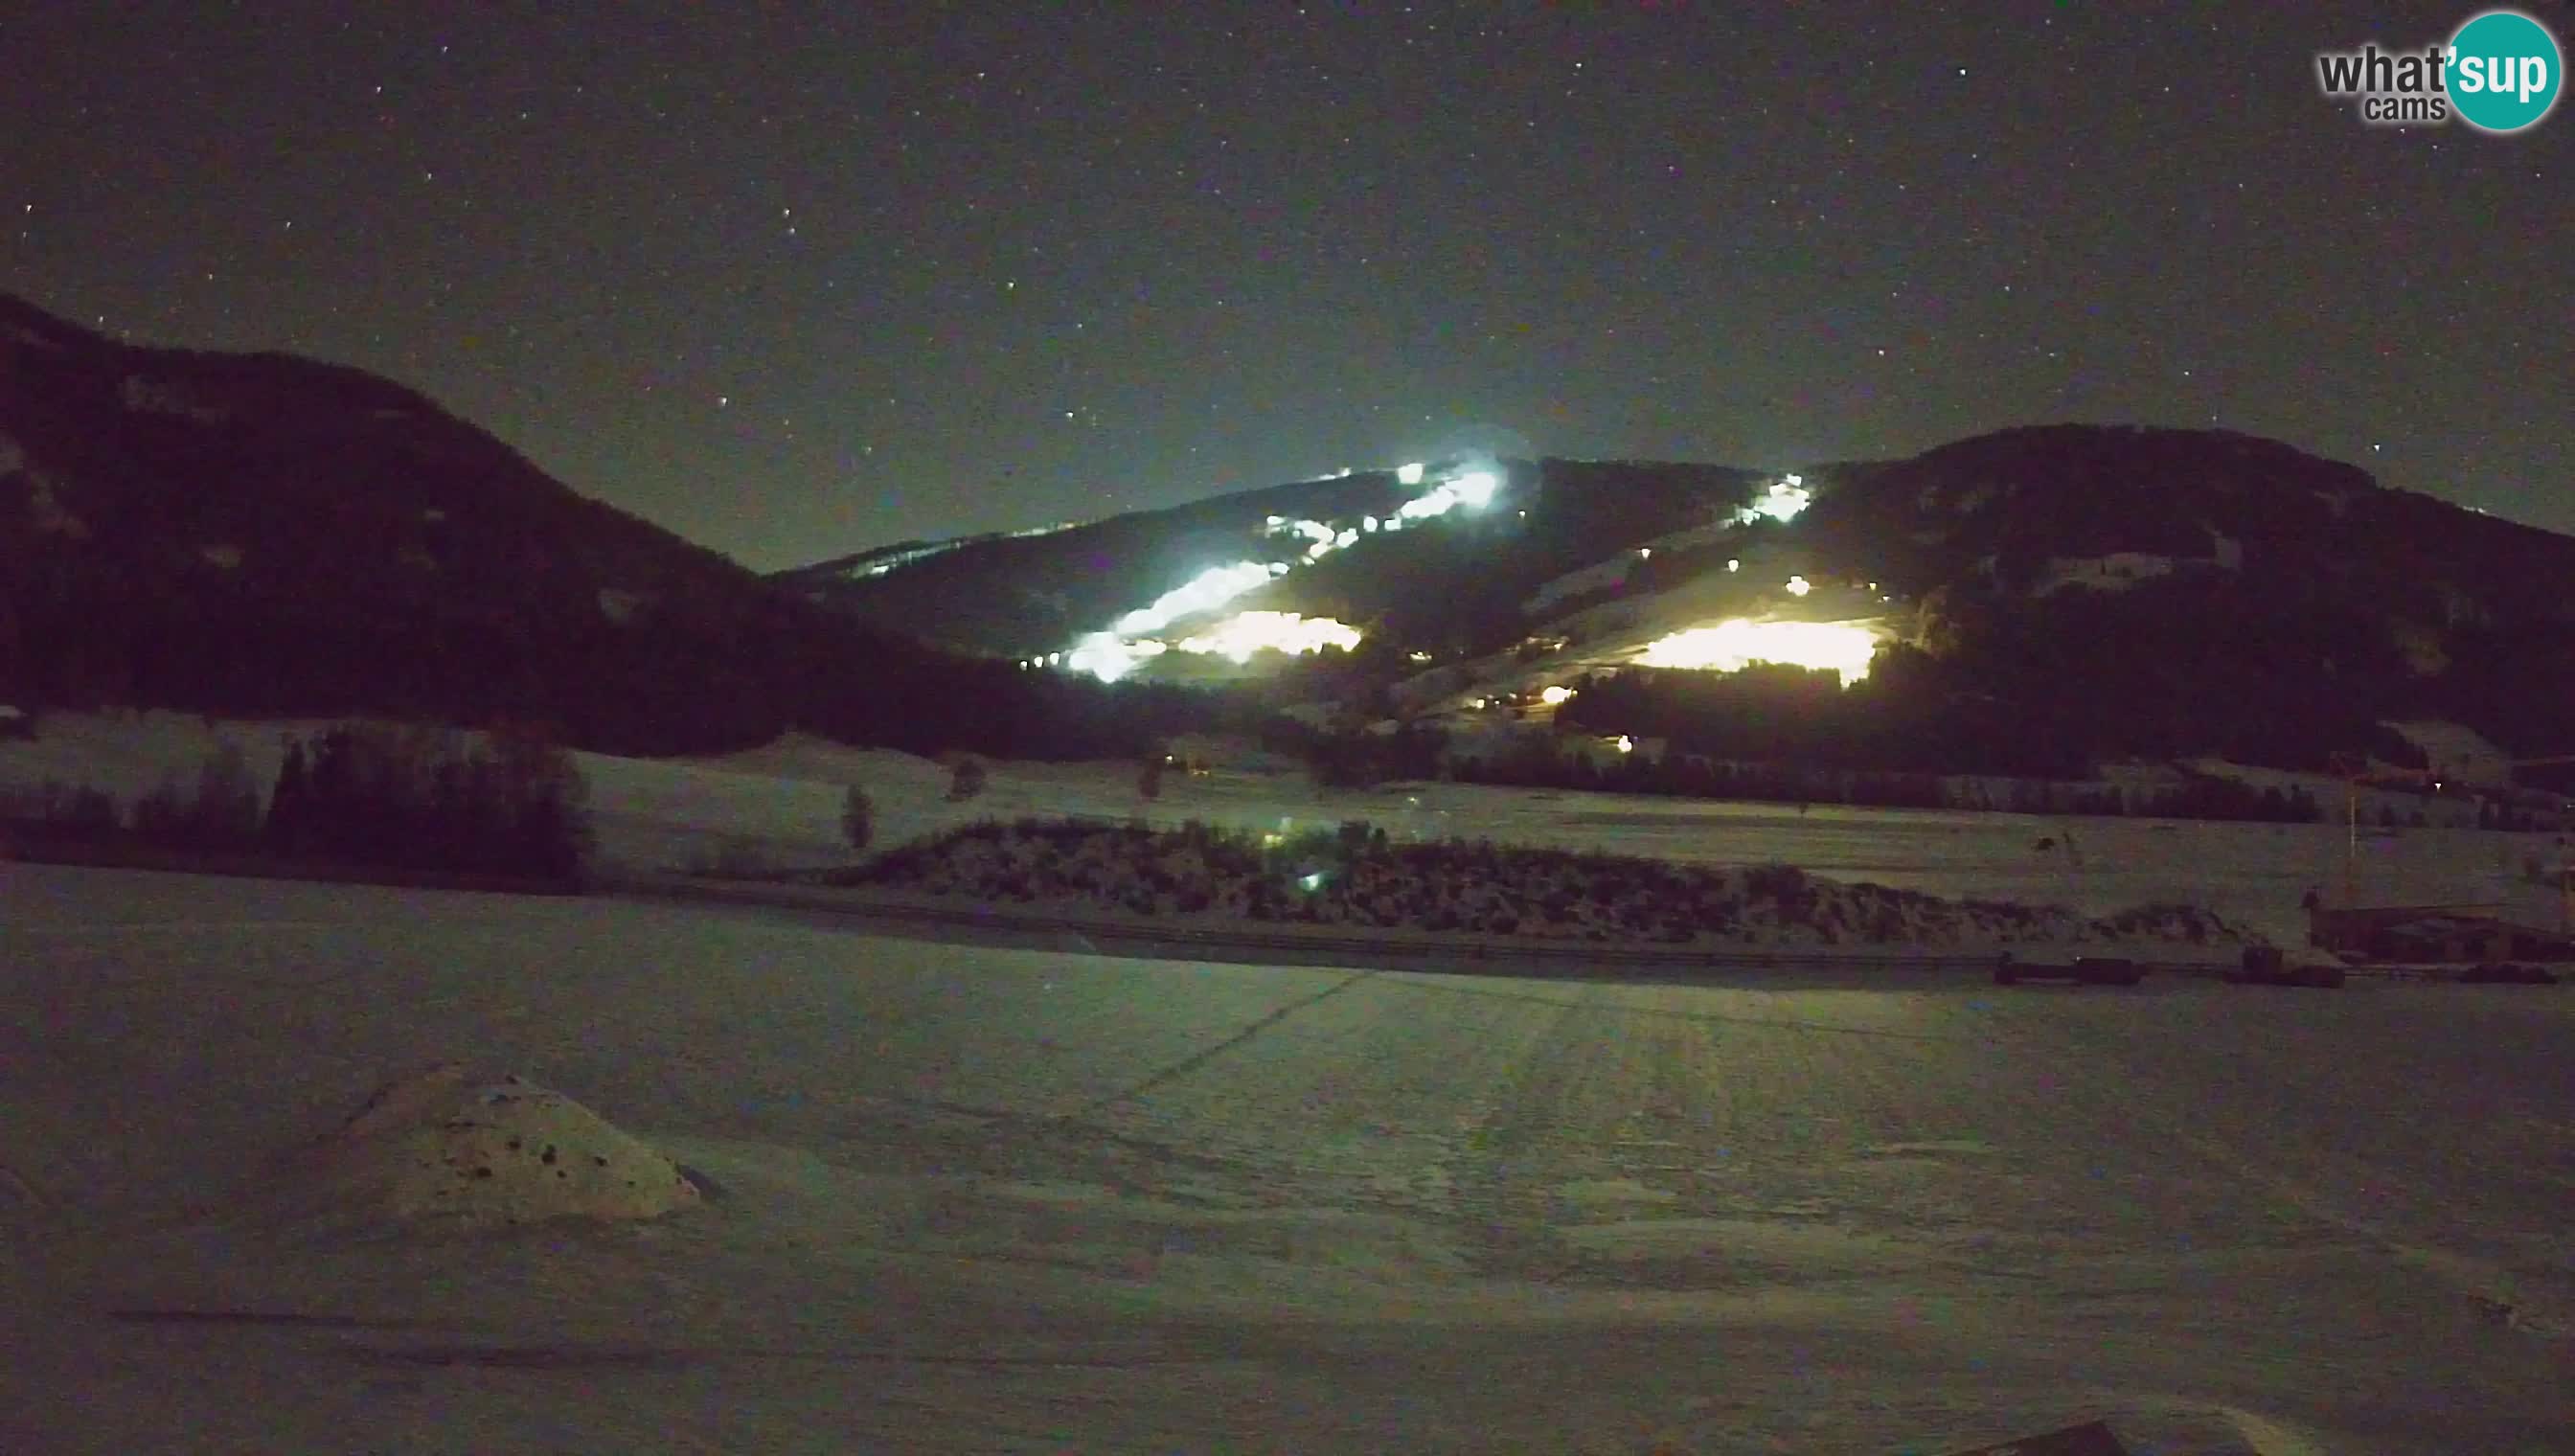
x: 2157, y: 592
x: 262, y: 534
x: 1994, y: 511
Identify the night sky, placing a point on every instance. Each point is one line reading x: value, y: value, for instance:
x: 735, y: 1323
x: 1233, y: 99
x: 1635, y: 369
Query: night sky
x: 794, y: 281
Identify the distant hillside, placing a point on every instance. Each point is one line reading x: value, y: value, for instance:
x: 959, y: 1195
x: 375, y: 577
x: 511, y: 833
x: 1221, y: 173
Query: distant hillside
x: 2165, y: 591
x: 2066, y: 593
x: 256, y: 535
x: 1456, y: 582
x: 267, y: 534
x: 2033, y: 509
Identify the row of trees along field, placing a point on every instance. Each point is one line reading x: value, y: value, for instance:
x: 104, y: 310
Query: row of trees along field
x: 508, y: 804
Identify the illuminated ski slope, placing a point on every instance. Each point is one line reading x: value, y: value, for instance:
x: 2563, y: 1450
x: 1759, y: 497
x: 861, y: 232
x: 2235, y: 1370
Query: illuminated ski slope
x: 1725, y: 646
x: 1117, y: 652
x: 1139, y: 636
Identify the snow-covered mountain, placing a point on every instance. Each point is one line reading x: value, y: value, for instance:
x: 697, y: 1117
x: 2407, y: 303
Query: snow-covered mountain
x: 261, y: 533
x: 2069, y: 564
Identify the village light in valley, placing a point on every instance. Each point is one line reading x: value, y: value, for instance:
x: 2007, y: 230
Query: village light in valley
x: 1782, y: 501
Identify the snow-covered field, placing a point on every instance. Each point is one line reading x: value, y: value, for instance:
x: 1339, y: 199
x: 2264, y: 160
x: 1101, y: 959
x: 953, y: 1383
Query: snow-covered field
x: 979, y: 1199
x: 783, y: 802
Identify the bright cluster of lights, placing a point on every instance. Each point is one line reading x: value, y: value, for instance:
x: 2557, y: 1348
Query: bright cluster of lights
x: 1474, y: 487
x: 1206, y: 592
x: 1321, y: 539
x: 1111, y: 655
x: 1787, y: 496
x: 1246, y: 632
x: 1731, y: 645
x: 1108, y: 656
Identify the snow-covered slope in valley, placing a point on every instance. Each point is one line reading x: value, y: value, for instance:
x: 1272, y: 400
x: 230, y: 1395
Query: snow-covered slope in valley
x: 781, y: 806
x: 2458, y: 751
x: 1602, y: 576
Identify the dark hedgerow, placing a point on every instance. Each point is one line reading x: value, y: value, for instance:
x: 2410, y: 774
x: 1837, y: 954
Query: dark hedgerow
x: 511, y: 804
x: 1354, y: 875
x: 506, y: 805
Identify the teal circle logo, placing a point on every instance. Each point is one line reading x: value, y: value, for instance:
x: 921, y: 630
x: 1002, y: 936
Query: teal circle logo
x: 2504, y: 71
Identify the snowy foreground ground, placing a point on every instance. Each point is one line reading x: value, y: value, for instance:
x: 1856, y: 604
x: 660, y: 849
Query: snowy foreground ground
x: 979, y: 1199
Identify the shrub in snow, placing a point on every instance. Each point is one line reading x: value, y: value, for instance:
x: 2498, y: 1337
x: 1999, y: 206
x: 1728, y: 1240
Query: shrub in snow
x: 222, y: 813
x: 160, y: 815
x: 76, y: 810
x: 857, y: 819
x: 734, y: 857
x: 1775, y: 882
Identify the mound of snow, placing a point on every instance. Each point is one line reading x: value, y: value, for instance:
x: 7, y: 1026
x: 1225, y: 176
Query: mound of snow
x: 440, y: 1148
